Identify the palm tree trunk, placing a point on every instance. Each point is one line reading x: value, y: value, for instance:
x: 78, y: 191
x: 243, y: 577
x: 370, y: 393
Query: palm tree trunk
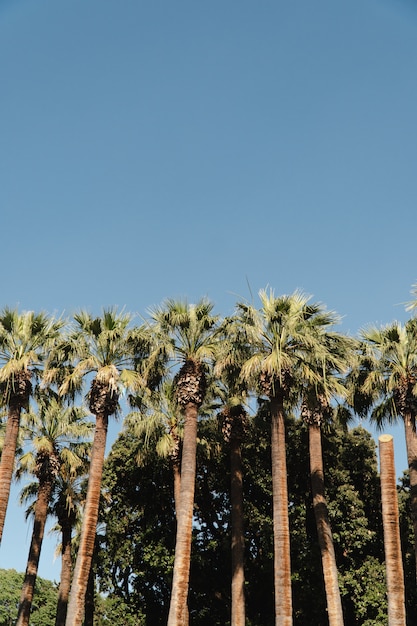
x: 392, y: 541
x: 238, y: 541
x: 76, y: 605
x: 90, y: 600
x: 7, y: 459
x: 181, y: 573
x: 331, y: 584
x: 66, y: 567
x: 282, y: 559
x: 411, y: 446
x: 41, y: 512
x: 176, y: 472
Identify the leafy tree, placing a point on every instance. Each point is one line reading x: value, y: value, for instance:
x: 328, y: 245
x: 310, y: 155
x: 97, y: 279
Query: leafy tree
x: 25, y: 339
x: 44, y: 604
x: 407, y: 545
x: 114, y: 611
x: 136, y: 554
x: 135, y: 557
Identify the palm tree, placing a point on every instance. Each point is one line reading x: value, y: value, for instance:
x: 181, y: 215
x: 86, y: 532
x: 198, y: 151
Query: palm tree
x: 234, y: 421
x: 102, y: 348
x: 158, y: 416
x: 58, y: 446
x: 392, y: 540
x: 25, y: 339
x: 185, y: 336
x: 67, y: 498
x: 384, y: 382
x: 331, y: 361
x: 284, y: 338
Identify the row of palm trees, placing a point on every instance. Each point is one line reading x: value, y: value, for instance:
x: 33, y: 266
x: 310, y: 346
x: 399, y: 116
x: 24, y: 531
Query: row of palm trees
x: 286, y: 350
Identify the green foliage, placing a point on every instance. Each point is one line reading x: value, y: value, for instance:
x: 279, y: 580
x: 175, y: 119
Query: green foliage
x: 114, y: 612
x: 136, y: 553
x: 135, y: 563
x: 407, y: 545
x: 364, y: 593
x: 44, y: 601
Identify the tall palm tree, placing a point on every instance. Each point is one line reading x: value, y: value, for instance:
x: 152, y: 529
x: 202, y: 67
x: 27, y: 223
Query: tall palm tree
x: 331, y: 360
x: 58, y: 445
x: 234, y: 422
x: 102, y: 348
x: 284, y: 338
x: 384, y: 382
x: 25, y: 339
x: 66, y: 503
x: 185, y: 335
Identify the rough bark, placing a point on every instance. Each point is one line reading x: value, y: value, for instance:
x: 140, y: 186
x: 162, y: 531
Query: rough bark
x: 90, y: 600
x: 41, y: 512
x: 181, y: 573
x: 76, y: 605
x: 8, y: 458
x: 334, y: 603
x: 392, y: 541
x: 66, y: 567
x: 238, y: 543
x: 282, y: 560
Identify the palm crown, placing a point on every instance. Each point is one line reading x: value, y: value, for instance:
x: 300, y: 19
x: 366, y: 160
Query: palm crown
x: 388, y: 370
x: 185, y: 337
x: 105, y: 346
x: 286, y: 339
x: 25, y: 339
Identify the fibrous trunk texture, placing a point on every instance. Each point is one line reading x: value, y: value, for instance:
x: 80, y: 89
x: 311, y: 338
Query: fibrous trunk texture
x: 41, y: 511
x: 282, y: 560
x: 328, y: 558
x: 76, y: 605
x: 392, y: 542
x: 238, y: 542
x: 7, y: 460
x: 66, y: 567
x: 181, y: 573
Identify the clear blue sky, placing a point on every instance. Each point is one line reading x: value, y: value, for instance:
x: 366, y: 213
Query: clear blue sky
x: 166, y: 149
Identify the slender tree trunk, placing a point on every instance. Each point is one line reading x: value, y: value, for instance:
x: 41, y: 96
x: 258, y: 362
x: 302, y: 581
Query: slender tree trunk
x: 331, y: 583
x: 176, y: 471
x: 7, y: 459
x: 41, y: 512
x: 238, y: 538
x: 411, y: 446
x: 181, y: 574
x: 282, y: 559
x: 90, y: 600
x: 76, y: 605
x: 392, y: 541
x: 66, y: 567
